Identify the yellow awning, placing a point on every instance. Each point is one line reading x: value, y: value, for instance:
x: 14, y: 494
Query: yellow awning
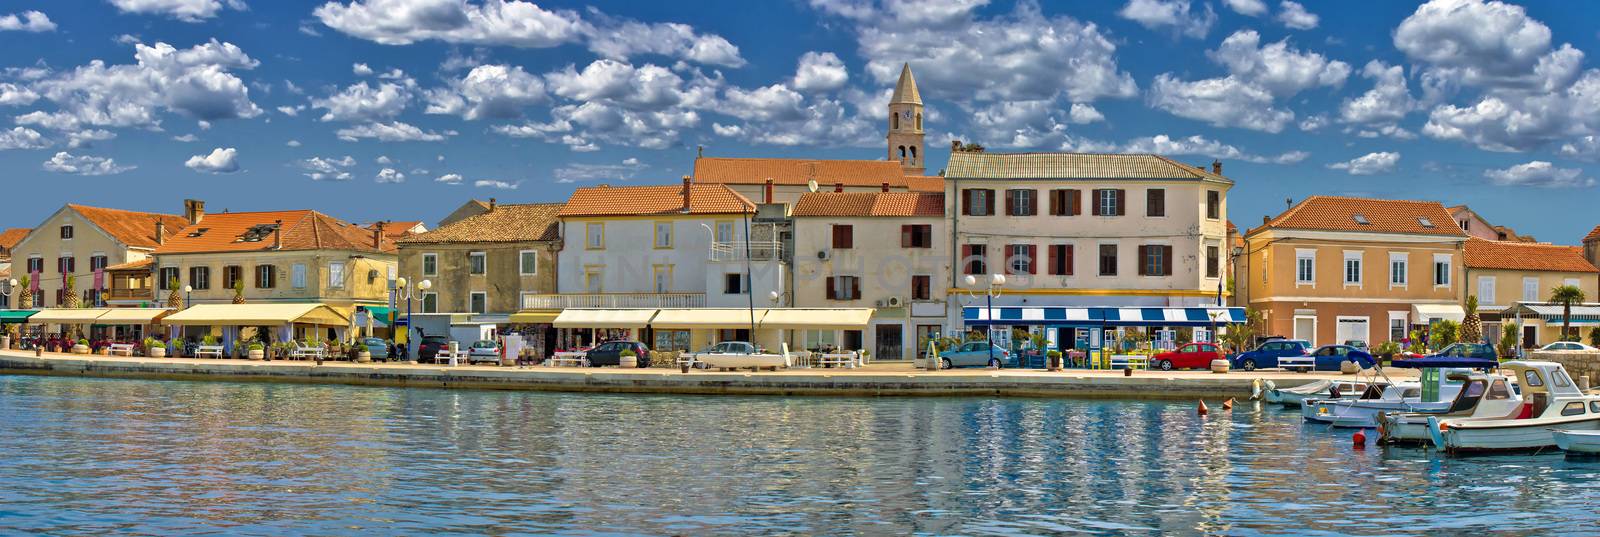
x: 257, y: 315
x: 817, y: 319
x: 132, y: 315
x: 587, y: 318
x: 535, y: 316
x: 689, y: 318
x: 67, y: 315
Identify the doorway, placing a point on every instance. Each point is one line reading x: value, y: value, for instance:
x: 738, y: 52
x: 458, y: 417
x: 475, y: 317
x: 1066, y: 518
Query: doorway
x: 1530, y: 336
x: 1306, y: 328
x: 852, y: 340
x: 890, y: 342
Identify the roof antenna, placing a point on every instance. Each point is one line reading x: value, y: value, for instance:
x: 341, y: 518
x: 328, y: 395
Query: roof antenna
x: 1289, y: 202
x: 699, y: 151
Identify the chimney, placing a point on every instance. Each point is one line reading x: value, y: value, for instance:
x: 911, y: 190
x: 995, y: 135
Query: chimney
x: 377, y: 231
x: 688, y: 192
x: 885, y: 186
x: 955, y: 145
x: 277, y: 234
x: 1216, y: 167
x: 838, y: 187
x: 1265, y: 219
x: 161, y: 232
x: 769, y: 191
x: 194, y: 211
x: 491, y: 204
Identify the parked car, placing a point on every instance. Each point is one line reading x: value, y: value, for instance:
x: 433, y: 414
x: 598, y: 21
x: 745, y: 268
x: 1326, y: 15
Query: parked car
x: 483, y: 350
x: 1331, y: 357
x: 1189, y: 356
x: 1269, y: 352
x: 610, y: 353
x: 975, y: 353
x: 378, y: 347
x: 1357, y: 344
x: 1469, y: 350
x: 428, y: 349
x: 1567, y: 346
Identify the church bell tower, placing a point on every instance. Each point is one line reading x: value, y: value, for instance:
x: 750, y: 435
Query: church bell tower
x: 905, y: 124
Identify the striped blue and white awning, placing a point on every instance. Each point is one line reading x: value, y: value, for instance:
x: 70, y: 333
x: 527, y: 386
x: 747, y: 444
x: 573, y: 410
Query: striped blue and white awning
x: 1103, y: 316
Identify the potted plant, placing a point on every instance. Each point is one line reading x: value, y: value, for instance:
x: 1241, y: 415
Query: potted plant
x: 1053, y: 357
x: 82, y: 347
x: 1385, y: 351
x: 628, y: 359
x: 174, y: 348
x: 256, y: 352
x: 363, y: 355
x: 155, y: 348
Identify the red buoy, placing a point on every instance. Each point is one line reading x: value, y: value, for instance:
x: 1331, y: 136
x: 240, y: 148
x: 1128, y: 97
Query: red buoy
x: 1202, y: 410
x: 1228, y: 405
x: 1360, y: 439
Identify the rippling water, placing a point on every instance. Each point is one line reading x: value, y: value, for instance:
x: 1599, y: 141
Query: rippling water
x: 90, y: 456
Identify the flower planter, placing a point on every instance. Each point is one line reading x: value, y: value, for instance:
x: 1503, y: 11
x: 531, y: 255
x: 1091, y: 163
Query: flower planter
x: 256, y: 354
x: 80, y: 349
x: 5, y: 343
x: 628, y: 362
x: 1349, y: 367
x: 158, y: 352
x: 1219, y: 366
x: 364, y: 357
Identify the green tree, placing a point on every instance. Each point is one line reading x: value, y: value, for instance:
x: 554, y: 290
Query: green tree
x: 1594, y: 337
x: 1508, y: 339
x: 1566, y: 296
x: 1444, y: 334
x: 1472, y: 325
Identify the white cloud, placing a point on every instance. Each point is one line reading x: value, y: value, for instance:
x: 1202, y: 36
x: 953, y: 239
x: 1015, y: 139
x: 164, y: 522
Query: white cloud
x: 1315, y: 122
x: 194, y: 82
x: 292, y: 143
x: 394, y: 131
x: 22, y: 138
x: 449, y: 178
x: 1277, y: 67
x: 771, y: 103
x: 820, y: 71
x: 1486, y: 40
x: 1388, y: 101
x: 184, y: 10
x: 1258, y: 77
x: 1083, y: 113
x: 1539, y: 173
x: 390, y: 175
x: 361, y: 102
x: 1295, y: 16
x: 1154, y: 14
x: 1162, y: 144
x: 28, y: 21
x: 16, y: 95
x: 86, y: 137
x: 1222, y: 102
x: 64, y: 162
x: 1369, y: 164
x: 488, y: 91
x: 186, y: 138
x: 646, y: 87
x: 221, y: 160
x: 291, y: 111
x: 1252, y: 8
x: 576, y: 172
x: 361, y: 69
x: 621, y: 39
x: 503, y: 185
x: 327, y: 169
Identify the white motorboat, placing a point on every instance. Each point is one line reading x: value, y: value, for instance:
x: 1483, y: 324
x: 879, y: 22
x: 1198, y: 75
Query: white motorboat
x: 1551, y: 402
x: 1481, y: 395
x: 1397, y: 397
x: 1577, y: 441
x: 1317, y: 389
x: 739, y: 355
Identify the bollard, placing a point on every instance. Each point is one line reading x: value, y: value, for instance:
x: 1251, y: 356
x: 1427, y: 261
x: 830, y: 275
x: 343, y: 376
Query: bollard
x: 1583, y: 383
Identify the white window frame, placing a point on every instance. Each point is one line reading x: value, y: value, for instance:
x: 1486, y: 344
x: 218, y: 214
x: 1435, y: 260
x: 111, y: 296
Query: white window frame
x: 599, y: 278
x: 424, y: 302
x: 725, y: 231
x: 1486, y: 290
x: 1405, y: 325
x: 1530, y: 284
x: 1309, y: 255
x: 1351, y: 255
x: 472, y: 259
x: 430, y: 259
x: 485, y: 302
x: 594, y: 236
x: 1295, y: 323
x: 656, y: 283
x: 1107, y: 196
x: 1340, y: 319
x: 1449, y: 267
x: 522, y: 262
x: 656, y: 237
x: 297, y: 276
x: 1570, y: 281
x: 1401, y: 261
x: 336, y: 275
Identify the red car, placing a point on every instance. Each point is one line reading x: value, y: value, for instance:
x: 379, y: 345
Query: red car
x: 1190, y: 356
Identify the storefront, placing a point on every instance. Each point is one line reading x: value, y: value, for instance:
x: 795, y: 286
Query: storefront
x: 1541, y: 324
x: 269, y: 322
x: 128, y: 325
x: 583, y: 328
x: 688, y: 329
x: 1093, y: 329
x: 536, y: 329
x: 820, y: 329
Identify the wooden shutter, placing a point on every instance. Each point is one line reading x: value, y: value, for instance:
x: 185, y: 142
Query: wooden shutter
x: 905, y: 236
x: 966, y: 259
x: 855, y: 288
x: 833, y: 294
x: 1166, y: 260
x: 1143, y: 260
x: 1033, y: 259
x: 1122, y: 202
x: 1067, y: 267
x: 1094, y: 202
x: 1033, y: 203
x: 1055, y: 254
x: 988, y: 202
x: 1074, y: 202
x: 1011, y: 206
x: 1055, y: 203
x: 966, y: 202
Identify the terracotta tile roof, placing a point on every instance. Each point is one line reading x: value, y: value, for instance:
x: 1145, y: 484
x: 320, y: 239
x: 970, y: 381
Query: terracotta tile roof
x: 395, y: 229
x: 9, y: 238
x: 1594, y: 235
x: 870, y: 204
x: 1487, y: 254
x: 976, y: 165
x: 142, y: 264
x: 506, y: 223
x: 924, y: 183
x: 786, y: 171
x: 302, y: 230
x: 654, y: 200
x: 1336, y: 213
x: 132, y: 228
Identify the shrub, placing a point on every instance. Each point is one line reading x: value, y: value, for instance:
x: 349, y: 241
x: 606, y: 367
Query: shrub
x: 256, y: 346
x: 84, y: 342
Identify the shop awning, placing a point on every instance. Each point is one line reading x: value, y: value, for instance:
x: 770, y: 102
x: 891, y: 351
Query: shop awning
x: 596, y: 318
x: 257, y: 315
x: 1013, y: 315
x: 16, y: 316
x: 380, y: 315
x: 1551, y: 313
x: 817, y: 319
x: 67, y: 315
x: 132, y: 315
x: 1428, y: 313
x: 535, y: 316
x: 690, y: 318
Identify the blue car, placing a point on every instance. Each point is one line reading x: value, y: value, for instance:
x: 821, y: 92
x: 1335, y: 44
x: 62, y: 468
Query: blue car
x: 1267, y: 355
x: 975, y: 354
x: 1330, y: 357
x: 1468, y: 350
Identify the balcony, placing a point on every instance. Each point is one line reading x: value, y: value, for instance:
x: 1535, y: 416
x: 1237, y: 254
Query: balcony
x: 735, y: 251
x: 614, y: 301
x: 129, y: 294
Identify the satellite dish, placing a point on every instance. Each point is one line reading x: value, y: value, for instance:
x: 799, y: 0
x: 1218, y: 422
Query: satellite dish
x: 811, y: 185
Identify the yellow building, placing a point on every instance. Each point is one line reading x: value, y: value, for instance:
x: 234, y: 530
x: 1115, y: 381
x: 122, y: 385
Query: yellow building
x: 1511, y: 278
x: 81, y: 241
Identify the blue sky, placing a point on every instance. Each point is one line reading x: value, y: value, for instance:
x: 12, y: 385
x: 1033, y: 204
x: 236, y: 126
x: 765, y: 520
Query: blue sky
x: 402, y: 109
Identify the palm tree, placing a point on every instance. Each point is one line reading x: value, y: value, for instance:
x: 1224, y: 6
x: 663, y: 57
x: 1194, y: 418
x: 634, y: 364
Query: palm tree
x: 1566, y: 296
x: 25, y: 296
x: 174, y: 299
x: 69, y: 299
x: 238, y: 292
x: 1472, y: 325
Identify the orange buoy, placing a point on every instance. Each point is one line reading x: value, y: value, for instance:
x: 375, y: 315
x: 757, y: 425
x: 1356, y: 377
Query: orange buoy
x: 1359, y: 439
x: 1228, y: 405
x: 1203, y: 410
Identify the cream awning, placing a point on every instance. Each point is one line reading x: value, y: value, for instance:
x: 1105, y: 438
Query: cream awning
x: 817, y: 319
x: 257, y: 315
x: 535, y: 316
x: 67, y: 315
x: 596, y: 318
x: 690, y: 318
x: 132, y: 315
x: 1428, y: 313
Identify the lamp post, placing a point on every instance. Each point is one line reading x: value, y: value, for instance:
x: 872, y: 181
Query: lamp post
x: 188, y: 299
x: 996, y: 281
x: 11, y: 293
x: 403, y: 292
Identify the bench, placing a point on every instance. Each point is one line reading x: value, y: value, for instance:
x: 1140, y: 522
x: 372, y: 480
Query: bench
x: 312, y: 352
x: 566, y: 359
x: 125, y: 349
x: 1300, y: 363
x: 849, y: 360
x: 214, y: 351
x: 1129, y: 361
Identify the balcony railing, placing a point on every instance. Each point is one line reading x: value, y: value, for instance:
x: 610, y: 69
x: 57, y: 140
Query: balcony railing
x: 735, y: 251
x: 129, y: 294
x: 614, y: 300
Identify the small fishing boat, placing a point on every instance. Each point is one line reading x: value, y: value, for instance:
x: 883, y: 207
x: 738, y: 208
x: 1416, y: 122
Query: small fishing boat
x: 1586, y: 442
x: 1551, y: 402
x: 1317, y: 389
x: 1363, y: 413
x: 1481, y: 395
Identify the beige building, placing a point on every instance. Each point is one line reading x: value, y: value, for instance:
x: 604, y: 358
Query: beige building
x: 1505, y: 275
x: 1334, y: 269
x: 880, y: 250
x: 486, y: 263
x: 1476, y: 226
x: 80, y: 241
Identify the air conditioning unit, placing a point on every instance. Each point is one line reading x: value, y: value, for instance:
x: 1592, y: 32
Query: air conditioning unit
x: 894, y: 302
x: 823, y: 255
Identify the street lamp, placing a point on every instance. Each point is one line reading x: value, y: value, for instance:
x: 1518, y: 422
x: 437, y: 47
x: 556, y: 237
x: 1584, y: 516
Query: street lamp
x: 996, y: 281
x: 11, y: 292
x: 403, y: 292
x: 188, y: 300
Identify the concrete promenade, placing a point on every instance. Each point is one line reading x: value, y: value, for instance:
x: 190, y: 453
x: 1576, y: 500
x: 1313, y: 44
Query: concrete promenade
x: 873, y: 380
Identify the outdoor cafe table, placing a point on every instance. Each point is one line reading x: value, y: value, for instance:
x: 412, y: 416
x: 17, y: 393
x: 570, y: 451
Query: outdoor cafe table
x: 568, y: 358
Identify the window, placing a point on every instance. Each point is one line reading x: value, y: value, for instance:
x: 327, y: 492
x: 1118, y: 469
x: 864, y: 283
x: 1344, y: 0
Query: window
x: 843, y: 237
x: 478, y: 302
x: 297, y: 276
x: 169, y: 278
x: 200, y: 278
x: 916, y: 236
x: 527, y: 262
x: 1109, y: 202
x: 724, y: 231
x: 1061, y: 259
x: 66, y: 232
x: 1574, y: 408
x: 1530, y: 290
x: 977, y: 202
x: 922, y: 287
x: 1021, y: 202
x: 266, y: 276
x: 1305, y: 267
x: 733, y: 284
x: 35, y: 264
x: 661, y: 276
x: 1486, y: 290
x: 66, y: 264
x: 430, y: 302
x: 1398, y: 266
x: 671, y: 340
x: 477, y: 262
x: 232, y: 276
x: 1570, y: 282
x: 1155, y: 202
x: 1441, y: 270
x: 1213, y: 204
x: 1155, y: 260
x: 1019, y: 259
x: 663, y: 235
x: 972, y: 258
x: 97, y: 262
x: 1066, y: 202
x: 594, y: 236
x: 335, y: 275
x: 1213, y: 261
x: 1108, y: 260
x: 593, y: 279
x: 1352, y: 268
x: 844, y: 288
x: 430, y: 264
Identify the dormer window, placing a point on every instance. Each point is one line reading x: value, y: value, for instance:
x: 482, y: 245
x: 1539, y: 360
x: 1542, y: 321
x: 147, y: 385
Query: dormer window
x: 1362, y: 219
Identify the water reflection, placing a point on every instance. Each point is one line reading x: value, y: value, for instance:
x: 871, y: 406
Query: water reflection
x: 164, y: 458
